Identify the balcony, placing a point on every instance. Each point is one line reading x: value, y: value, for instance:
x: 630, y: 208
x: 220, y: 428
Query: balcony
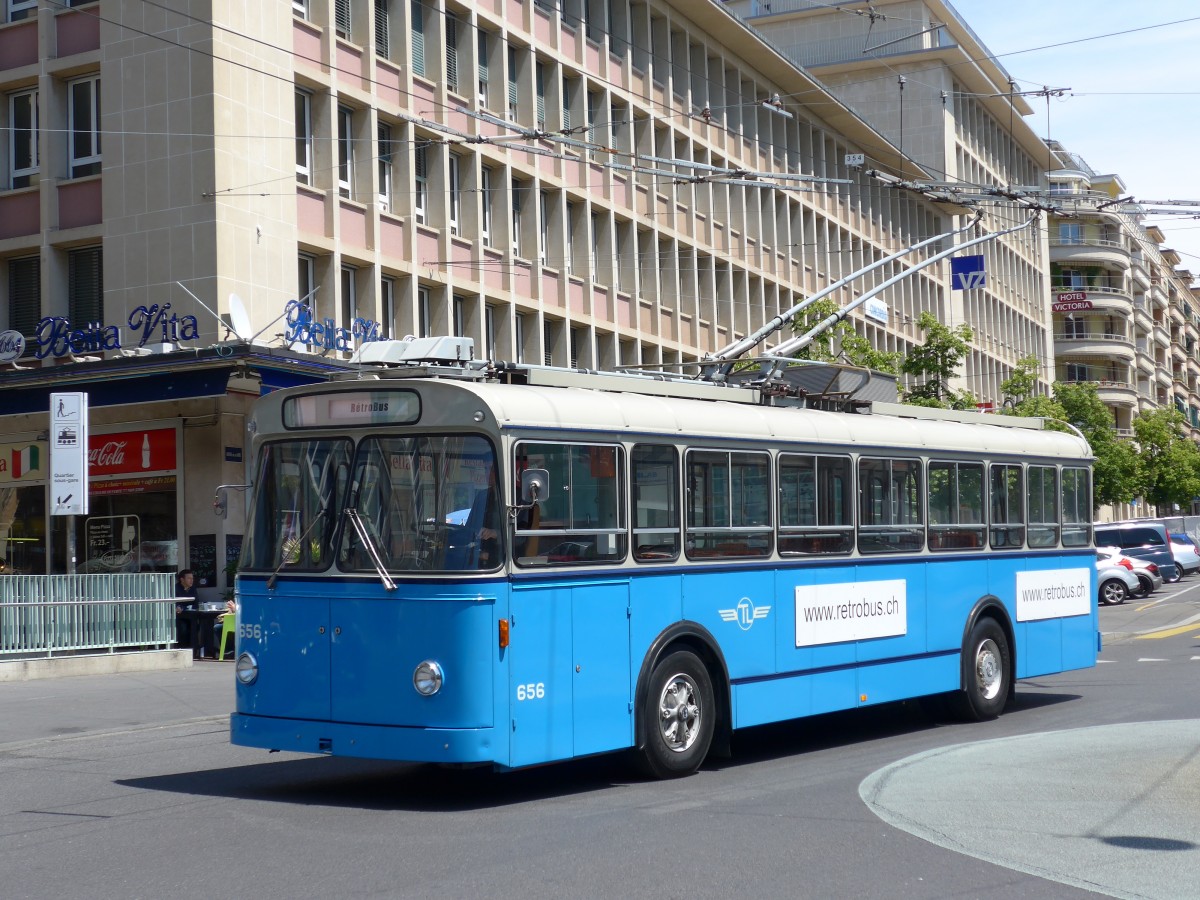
x: 1117, y: 393
x: 1089, y: 251
x: 1097, y: 344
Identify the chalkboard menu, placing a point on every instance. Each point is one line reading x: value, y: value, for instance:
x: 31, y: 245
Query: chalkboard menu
x: 233, y: 552
x: 202, y: 558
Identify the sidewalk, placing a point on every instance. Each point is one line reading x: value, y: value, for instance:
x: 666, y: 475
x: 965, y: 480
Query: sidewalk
x: 38, y: 709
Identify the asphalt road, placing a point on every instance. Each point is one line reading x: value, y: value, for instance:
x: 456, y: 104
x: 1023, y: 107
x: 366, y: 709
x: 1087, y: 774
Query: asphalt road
x: 126, y: 785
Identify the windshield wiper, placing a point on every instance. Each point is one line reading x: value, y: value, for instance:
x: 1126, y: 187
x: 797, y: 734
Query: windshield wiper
x: 372, y: 552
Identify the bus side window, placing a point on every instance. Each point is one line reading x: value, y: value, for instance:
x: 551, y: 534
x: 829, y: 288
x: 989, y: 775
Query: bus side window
x: 728, y: 504
x: 1076, y: 508
x: 814, y: 505
x: 890, y: 506
x: 582, y: 520
x: 955, y: 506
x: 1007, y: 496
x: 654, y: 484
x: 1042, y: 494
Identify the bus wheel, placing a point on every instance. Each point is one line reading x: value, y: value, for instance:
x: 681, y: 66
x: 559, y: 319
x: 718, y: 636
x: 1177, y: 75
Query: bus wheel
x: 987, y: 665
x: 680, y: 715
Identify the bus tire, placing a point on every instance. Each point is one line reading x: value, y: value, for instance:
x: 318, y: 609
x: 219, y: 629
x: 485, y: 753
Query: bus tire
x: 680, y: 716
x: 987, y: 673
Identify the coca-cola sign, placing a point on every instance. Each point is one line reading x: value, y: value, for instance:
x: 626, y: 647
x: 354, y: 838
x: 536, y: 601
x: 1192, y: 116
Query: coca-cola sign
x: 129, y: 452
x: 12, y: 346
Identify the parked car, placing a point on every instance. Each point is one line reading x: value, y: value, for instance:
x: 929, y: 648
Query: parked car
x: 1114, y: 583
x: 1148, y: 576
x: 1142, y: 540
x: 1186, y: 554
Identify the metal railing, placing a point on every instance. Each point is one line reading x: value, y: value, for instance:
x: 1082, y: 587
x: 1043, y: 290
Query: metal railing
x: 44, y: 615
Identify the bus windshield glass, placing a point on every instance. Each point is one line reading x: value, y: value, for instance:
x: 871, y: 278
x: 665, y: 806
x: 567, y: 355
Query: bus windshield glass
x: 298, y: 494
x: 426, y: 503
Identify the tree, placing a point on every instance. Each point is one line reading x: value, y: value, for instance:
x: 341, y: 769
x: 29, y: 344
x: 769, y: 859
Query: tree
x: 1170, y: 458
x: 1117, y: 470
x: 840, y: 341
x: 937, y: 361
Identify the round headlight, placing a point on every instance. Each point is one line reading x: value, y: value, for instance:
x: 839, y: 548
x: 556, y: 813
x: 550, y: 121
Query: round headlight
x: 427, y: 678
x: 246, y: 669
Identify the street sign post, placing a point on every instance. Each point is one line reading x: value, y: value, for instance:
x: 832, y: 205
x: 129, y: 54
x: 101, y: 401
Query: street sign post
x: 68, y: 462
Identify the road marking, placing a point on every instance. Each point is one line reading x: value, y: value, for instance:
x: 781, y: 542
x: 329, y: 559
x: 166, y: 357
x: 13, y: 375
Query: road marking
x: 1151, y: 659
x: 1105, y: 661
x: 1168, y: 632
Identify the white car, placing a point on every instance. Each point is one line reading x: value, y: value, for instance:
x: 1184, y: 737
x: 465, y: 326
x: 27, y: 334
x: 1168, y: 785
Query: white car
x: 1185, y: 555
x: 1148, y: 576
x: 1114, y: 583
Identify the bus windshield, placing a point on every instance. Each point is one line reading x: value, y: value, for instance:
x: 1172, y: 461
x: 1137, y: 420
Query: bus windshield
x: 427, y: 503
x: 298, y: 495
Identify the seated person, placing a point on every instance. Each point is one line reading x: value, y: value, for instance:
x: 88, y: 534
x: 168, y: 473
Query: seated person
x: 185, y: 601
x: 219, y: 623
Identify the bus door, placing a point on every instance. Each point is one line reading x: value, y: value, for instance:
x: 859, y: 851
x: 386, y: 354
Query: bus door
x: 569, y: 669
x: 289, y: 635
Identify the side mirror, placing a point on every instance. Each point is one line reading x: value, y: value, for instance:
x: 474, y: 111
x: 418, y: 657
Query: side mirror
x: 220, y: 502
x: 535, y: 486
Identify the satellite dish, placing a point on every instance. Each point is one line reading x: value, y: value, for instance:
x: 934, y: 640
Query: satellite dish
x: 239, y: 319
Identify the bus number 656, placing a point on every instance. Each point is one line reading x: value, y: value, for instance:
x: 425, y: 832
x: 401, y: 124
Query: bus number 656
x: 531, y: 691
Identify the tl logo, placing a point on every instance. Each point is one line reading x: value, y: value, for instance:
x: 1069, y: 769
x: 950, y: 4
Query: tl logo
x: 745, y: 613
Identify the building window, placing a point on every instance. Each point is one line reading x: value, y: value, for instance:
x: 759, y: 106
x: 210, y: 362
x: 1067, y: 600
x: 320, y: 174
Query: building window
x: 481, y: 87
x: 424, y: 322
x: 305, y: 284
x: 543, y: 226
x: 21, y: 9
x: 85, y: 286
x: 304, y: 137
x: 84, y: 126
x: 569, y: 263
x: 453, y: 186
x: 489, y: 332
x: 451, y: 53
x: 300, y: 8
x: 345, y: 151
x: 349, y: 293
x: 485, y: 201
x: 382, y: 30
x: 418, y: 38
x: 387, y: 306
x: 341, y: 18
x: 517, y: 200
x: 421, y: 184
x: 520, y: 336
x: 23, y: 125
x: 541, y: 96
x: 24, y: 294
x: 384, y: 137
x: 460, y: 316
x: 1070, y: 232
x: 513, y: 91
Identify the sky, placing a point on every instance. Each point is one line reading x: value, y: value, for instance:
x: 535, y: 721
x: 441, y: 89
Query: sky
x: 1133, y: 107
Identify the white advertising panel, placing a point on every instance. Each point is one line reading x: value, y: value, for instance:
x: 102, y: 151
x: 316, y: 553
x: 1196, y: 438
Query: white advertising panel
x: 855, y: 611
x: 68, y: 454
x: 1053, y: 594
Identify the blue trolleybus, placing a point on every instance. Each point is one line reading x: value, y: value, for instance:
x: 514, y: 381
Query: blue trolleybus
x: 506, y: 565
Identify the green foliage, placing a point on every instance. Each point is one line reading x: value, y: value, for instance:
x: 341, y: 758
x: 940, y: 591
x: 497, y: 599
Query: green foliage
x: 840, y: 341
x: 1117, y: 475
x: 1169, y: 458
x: 936, y: 361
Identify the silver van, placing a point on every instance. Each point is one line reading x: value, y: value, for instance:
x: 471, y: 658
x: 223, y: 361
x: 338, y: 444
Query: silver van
x: 1143, y: 540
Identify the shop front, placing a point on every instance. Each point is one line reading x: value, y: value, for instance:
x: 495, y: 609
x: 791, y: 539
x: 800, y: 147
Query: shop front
x: 164, y: 432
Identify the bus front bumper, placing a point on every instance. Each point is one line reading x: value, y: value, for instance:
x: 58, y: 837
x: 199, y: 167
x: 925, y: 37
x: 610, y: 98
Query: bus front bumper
x: 437, y: 745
